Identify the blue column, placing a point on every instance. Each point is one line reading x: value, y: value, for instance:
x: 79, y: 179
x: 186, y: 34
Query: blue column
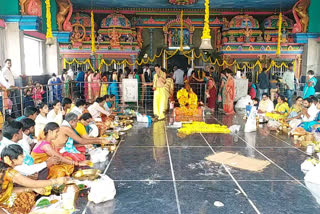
x: 133, y: 58
x: 151, y: 41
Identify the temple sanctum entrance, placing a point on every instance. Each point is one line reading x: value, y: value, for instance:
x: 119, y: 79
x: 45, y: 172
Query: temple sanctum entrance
x: 178, y: 60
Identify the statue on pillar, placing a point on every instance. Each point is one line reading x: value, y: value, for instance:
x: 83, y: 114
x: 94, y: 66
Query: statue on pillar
x: 30, y: 7
x: 63, y: 22
x: 300, y: 13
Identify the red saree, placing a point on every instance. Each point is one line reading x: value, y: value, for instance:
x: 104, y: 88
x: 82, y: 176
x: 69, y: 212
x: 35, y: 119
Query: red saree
x: 229, y: 95
x: 212, y: 94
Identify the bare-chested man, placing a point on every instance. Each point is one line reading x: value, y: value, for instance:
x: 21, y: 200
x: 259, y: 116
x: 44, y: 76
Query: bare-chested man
x: 67, y: 130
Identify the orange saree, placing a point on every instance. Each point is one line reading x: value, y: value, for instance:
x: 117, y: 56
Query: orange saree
x: 229, y: 95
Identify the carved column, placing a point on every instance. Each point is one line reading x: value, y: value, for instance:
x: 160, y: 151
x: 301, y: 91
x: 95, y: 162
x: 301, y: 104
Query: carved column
x: 133, y: 58
x: 151, y: 42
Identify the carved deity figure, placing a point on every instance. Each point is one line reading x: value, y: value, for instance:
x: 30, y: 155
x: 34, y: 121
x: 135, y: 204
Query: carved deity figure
x: 63, y: 22
x: 115, y: 38
x: 139, y: 37
x: 247, y: 32
x: 300, y: 13
x: 30, y: 7
x: 23, y: 6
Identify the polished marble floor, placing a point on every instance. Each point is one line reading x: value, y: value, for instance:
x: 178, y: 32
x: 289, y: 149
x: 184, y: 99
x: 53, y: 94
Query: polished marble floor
x: 157, y: 172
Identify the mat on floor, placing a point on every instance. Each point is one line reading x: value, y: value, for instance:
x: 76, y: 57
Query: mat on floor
x: 238, y: 161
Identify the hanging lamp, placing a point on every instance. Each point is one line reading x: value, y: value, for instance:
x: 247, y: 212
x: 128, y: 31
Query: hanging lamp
x: 206, y: 38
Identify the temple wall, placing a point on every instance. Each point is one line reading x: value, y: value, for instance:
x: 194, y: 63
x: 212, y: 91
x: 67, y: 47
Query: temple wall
x: 9, y: 7
x: 314, y: 24
x: 311, y: 57
x: 14, y: 47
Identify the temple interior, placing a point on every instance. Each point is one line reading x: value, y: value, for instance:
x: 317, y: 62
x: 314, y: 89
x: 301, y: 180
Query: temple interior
x: 160, y: 106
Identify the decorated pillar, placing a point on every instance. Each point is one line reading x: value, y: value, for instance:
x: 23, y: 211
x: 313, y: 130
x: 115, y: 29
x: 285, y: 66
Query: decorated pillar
x: 164, y: 60
x: 133, y: 59
x: 151, y: 42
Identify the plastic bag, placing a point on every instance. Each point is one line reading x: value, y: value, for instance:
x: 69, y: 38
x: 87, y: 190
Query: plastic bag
x: 273, y: 124
x: 234, y: 129
x: 294, y: 123
x: 251, y: 125
x: 313, y: 182
x: 98, y: 155
x: 143, y: 118
x: 306, y: 166
x: 102, y: 190
x: 243, y: 102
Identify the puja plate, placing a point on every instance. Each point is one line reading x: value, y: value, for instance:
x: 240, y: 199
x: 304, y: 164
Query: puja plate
x: 86, y: 174
x: 125, y: 117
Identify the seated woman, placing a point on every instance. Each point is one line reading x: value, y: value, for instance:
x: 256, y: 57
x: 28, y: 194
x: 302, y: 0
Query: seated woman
x: 281, y: 111
x: 44, y: 149
x: 41, y: 120
x: 55, y: 115
x: 296, y: 108
x: 19, y: 199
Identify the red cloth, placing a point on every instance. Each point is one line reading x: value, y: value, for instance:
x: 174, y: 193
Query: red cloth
x: 212, y: 95
x: 74, y: 156
x: 252, y: 93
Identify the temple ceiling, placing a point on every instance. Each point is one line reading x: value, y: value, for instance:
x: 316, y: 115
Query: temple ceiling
x: 186, y: 4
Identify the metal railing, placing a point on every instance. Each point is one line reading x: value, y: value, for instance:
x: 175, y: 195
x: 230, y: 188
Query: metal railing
x: 13, y: 101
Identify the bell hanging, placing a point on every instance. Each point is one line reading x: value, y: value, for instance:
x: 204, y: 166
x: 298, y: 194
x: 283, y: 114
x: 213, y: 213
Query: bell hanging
x: 205, y: 44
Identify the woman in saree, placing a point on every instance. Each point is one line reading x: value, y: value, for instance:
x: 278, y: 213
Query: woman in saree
x: 104, y: 84
x: 169, y: 89
x: 296, y: 108
x: 310, y: 84
x: 212, y: 94
x: 90, y: 81
x: 281, y: 110
x: 223, y: 82
x: 19, y: 200
x: 86, y: 85
x: 66, y: 84
x: 95, y: 85
x: 229, y: 93
x: 45, y: 149
x: 41, y: 120
x: 113, y: 88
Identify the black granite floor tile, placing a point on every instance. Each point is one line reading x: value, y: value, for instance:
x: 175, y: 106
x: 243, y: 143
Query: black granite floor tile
x: 132, y: 163
x: 139, y: 197
x: 199, y: 197
x: 278, y: 197
x: 190, y: 164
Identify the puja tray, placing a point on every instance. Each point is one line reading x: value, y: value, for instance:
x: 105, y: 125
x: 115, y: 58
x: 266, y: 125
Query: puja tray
x: 86, y: 174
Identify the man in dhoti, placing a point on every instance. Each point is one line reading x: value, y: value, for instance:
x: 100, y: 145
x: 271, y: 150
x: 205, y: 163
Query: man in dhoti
x: 159, y: 97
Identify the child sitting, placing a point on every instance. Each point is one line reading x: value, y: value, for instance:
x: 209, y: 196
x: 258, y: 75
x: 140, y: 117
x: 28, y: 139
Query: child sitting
x: 19, y: 199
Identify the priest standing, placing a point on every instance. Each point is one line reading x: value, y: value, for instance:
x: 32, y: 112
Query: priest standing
x: 159, y: 81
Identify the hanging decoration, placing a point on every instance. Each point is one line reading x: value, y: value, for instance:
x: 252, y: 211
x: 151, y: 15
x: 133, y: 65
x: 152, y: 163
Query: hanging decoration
x: 206, y: 38
x: 279, y: 35
x: 181, y: 30
x: 49, y: 37
x: 168, y: 54
x: 93, y: 39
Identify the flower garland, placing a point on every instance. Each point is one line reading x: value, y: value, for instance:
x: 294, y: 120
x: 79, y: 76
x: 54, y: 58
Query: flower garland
x: 278, y: 52
x: 93, y: 45
x: 49, y: 23
x: 202, y: 127
x: 206, y: 29
x: 181, y: 31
